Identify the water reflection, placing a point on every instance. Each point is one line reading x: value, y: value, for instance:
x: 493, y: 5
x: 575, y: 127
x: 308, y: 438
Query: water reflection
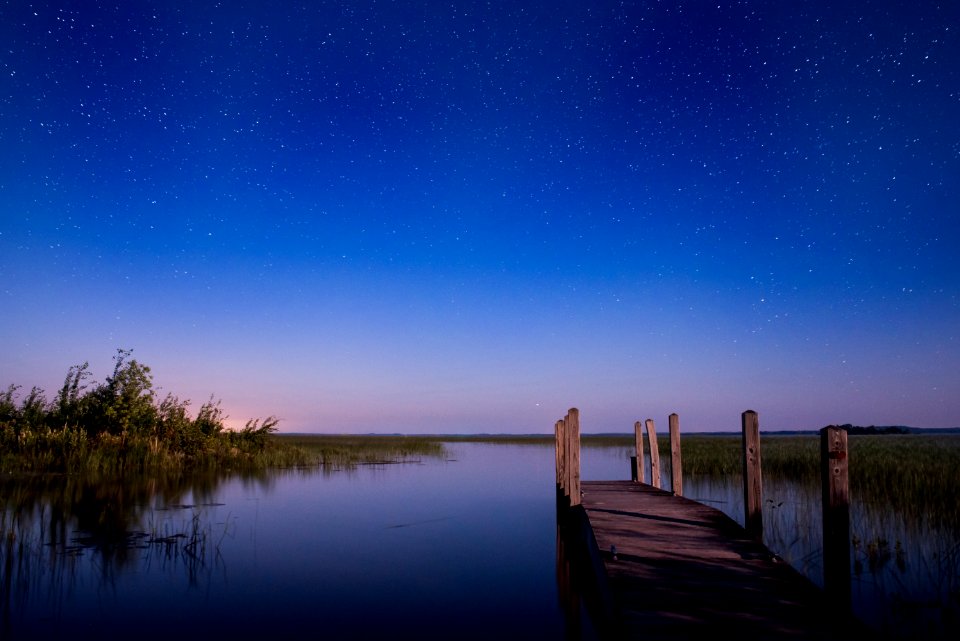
x: 580, y: 585
x: 116, y: 519
x: 365, y: 552
x: 61, y: 532
x: 384, y: 550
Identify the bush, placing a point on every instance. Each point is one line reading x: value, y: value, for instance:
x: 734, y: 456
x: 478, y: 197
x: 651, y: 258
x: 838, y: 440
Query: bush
x: 118, y: 425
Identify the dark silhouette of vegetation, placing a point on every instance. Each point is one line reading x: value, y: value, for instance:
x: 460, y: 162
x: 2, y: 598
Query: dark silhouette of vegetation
x: 873, y: 429
x: 119, y: 425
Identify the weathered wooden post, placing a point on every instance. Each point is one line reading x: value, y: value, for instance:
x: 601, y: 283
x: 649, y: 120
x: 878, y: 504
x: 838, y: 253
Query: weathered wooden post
x: 638, y: 458
x: 752, y: 483
x: 573, y: 455
x: 654, y: 454
x: 834, y: 465
x: 676, y: 468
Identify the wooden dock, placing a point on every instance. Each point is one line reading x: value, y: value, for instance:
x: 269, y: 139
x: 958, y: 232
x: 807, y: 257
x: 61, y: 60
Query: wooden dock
x: 660, y: 566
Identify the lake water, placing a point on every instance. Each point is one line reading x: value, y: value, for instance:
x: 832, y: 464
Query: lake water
x: 463, y: 547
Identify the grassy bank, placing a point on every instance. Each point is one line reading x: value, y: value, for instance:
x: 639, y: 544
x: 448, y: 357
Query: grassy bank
x: 333, y: 450
x: 120, y: 426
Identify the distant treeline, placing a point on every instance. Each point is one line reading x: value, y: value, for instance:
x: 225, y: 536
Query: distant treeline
x: 119, y: 425
x: 873, y: 429
x: 881, y: 429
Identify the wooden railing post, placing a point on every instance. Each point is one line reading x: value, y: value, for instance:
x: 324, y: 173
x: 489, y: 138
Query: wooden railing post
x: 752, y: 483
x: 676, y: 468
x: 834, y: 465
x: 573, y: 455
x: 638, y: 442
x: 654, y: 454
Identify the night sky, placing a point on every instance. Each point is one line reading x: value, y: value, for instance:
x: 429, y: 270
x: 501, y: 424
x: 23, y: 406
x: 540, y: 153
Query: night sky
x: 423, y: 216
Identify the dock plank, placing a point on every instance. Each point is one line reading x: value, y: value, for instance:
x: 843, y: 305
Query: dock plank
x: 678, y: 569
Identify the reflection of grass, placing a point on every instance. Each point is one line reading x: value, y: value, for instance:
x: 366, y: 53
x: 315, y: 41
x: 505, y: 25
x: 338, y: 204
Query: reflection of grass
x: 876, y: 553
x: 922, y: 594
x: 45, y: 558
x: 193, y: 547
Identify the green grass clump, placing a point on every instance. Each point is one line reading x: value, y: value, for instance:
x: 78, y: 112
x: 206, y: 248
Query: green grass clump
x: 336, y: 450
x: 916, y: 474
x: 499, y: 439
x: 121, y: 426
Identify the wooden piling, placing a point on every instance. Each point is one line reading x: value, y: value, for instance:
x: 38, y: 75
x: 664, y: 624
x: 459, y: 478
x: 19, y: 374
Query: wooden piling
x: 638, y: 443
x: 752, y: 482
x: 573, y: 455
x: 676, y: 468
x: 654, y: 454
x: 834, y: 464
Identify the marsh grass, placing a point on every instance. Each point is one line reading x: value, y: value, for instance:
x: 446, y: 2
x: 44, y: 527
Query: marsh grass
x: 339, y: 451
x: 499, y: 439
x: 586, y: 440
x: 916, y: 475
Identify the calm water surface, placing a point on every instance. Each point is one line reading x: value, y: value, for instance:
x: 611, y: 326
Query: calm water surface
x: 463, y: 547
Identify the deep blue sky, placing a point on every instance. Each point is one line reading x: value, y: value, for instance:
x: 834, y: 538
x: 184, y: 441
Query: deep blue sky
x: 425, y: 216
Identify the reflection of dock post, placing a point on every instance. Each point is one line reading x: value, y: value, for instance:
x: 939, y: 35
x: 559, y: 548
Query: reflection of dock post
x: 560, y: 434
x: 752, y: 483
x: 566, y: 590
x: 654, y: 454
x: 637, y: 459
x: 834, y: 464
x: 676, y: 468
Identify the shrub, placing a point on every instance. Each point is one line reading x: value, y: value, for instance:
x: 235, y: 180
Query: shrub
x: 118, y: 425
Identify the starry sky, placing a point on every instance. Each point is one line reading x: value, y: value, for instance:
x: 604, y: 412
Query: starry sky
x: 422, y: 216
